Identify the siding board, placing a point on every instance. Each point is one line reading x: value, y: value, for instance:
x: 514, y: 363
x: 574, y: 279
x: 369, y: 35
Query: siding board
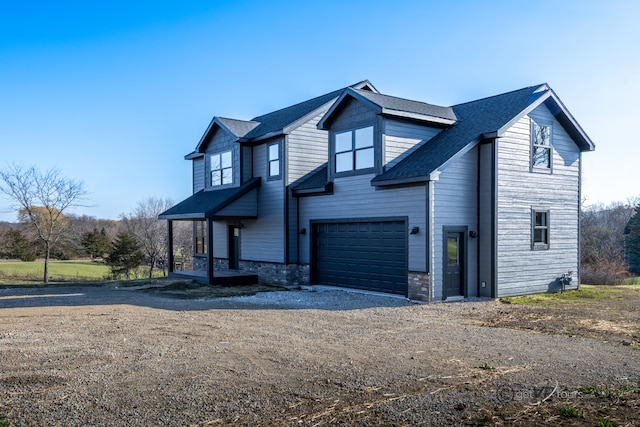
x: 522, y: 270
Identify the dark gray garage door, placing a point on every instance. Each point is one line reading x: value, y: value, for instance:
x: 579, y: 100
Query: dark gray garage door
x: 362, y: 255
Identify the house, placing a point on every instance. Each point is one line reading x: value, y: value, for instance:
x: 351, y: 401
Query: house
x: 364, y: 190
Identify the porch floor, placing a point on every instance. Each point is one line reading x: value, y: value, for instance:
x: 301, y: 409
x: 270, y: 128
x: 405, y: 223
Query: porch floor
x: 221, y: 278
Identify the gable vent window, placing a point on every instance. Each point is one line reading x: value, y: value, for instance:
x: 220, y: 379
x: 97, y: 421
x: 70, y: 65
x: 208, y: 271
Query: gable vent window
x: 540, y: 146
x: 539, y: 229
x: 221, y: 169
x: 274, y: 160
x: 354, y: 150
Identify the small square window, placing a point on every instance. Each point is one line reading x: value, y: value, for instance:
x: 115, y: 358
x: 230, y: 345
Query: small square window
x: 539, y: 229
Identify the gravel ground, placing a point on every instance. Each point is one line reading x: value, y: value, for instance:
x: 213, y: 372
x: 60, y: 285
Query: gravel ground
x: 106, y: 356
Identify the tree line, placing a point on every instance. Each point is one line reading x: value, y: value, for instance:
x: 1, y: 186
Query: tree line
x: 609, y: 252
x: 46, y: 230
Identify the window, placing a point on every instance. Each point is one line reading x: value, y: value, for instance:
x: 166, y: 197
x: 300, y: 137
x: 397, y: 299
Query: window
x: 540, y: 229
x: 201, y: 236
x: 274, y: 159
x: 540, y: 146
x: 354, y: 150
x: 221, y: 169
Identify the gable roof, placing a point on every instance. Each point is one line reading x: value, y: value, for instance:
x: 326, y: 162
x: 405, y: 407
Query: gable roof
x: 392, y: 106
x: 274, y: 123
x: 484, y: 118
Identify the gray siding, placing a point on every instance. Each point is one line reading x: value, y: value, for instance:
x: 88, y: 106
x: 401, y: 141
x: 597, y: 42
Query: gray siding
x: 485, y: 228
x: 263, y: 239
x: 520, y: 269
x: 401, y: 138
x: 352, y: 114
x: 244, y: 206
x: 198, y: 174
x: 307, y: 148
x: 354, y: 197
x: 455, y: 204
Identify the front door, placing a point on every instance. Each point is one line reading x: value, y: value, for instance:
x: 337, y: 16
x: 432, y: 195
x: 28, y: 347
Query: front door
x: 234, y: 247
x: 454, y: 264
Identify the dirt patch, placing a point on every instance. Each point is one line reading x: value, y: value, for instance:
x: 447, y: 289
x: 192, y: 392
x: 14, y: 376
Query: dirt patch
x: 193, y: 290
x: 105, y: 356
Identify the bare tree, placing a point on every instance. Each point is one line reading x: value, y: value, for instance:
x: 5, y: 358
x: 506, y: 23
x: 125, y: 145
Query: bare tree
x: 150, y: 232
x: 41, y: 200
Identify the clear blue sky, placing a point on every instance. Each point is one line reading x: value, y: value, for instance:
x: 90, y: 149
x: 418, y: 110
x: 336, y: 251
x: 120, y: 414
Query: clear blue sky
x: 116, y: 93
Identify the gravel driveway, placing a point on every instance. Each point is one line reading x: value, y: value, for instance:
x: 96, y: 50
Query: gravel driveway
x: 106, y: 356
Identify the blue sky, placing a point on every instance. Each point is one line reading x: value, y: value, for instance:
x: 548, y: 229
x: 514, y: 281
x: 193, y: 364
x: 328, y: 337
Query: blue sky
x: 116, y: 93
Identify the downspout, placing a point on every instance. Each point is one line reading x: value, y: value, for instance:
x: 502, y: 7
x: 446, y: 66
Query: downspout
x: 430, y: 231
x: 428, y: 237
x: 478, y: 237
x: 579, y: 219
x: 298, y: 230
x: 285, y: 179
x: 494, y: 220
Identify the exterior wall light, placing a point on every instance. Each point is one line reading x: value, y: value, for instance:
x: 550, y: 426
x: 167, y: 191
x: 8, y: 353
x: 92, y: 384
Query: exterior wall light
x: 415, y: 230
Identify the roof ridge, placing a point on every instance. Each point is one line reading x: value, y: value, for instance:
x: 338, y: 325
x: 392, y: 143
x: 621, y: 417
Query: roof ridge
x: 500, y: 94
x: 337, y: 92
x: 398, y: 97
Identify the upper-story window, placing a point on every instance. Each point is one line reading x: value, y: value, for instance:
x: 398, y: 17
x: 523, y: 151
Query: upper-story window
x: 221, y: 168
x: 540, y: 146
x: 354, y: 149
x: 274, y: 160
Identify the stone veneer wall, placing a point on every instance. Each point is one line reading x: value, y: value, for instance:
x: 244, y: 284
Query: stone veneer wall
x: 419, y: 286
x: 269, y: 273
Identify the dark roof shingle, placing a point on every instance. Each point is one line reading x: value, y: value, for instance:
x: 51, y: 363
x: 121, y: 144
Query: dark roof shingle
x: 475, y: 118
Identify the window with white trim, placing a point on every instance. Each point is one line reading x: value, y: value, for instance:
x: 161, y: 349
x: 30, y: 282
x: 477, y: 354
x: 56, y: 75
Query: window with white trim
x: 274, y: 160
x: 222, y: 168
x: 539, y: 229
x: 354, y: 150
x: 540, y: 146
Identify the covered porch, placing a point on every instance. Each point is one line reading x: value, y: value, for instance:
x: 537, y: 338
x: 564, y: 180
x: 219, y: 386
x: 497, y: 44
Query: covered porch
x: 201, y: 210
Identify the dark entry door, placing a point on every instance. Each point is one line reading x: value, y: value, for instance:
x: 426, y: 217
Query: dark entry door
x: 234, y: 247
x: 454, y: 264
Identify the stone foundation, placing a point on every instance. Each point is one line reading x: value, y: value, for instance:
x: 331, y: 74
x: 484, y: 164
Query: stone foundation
x: 270, y: 273
x: 419, y: 286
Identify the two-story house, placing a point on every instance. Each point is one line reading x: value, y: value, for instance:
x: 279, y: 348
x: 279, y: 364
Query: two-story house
x: 364, y: 190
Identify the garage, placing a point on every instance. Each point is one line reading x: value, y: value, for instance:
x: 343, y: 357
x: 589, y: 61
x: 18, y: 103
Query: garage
x: 370, y: 255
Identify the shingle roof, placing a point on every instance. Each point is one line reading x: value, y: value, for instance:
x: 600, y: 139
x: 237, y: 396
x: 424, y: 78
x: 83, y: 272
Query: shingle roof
x: 238, y: 127
x: 276, y: 121
x: 314, y: 180
x: 475, y: 119
x: 205, y: 204
x: 407, y: 105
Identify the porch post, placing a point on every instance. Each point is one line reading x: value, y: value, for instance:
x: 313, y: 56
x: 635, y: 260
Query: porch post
x: 170, y: 249
x: 210, y: 265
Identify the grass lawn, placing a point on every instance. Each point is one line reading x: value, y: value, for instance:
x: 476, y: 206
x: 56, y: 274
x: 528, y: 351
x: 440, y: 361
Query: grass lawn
x: 586, y: 294
x: 59, y: 271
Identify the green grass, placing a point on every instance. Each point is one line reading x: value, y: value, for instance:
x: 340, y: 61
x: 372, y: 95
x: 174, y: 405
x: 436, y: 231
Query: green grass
x: 585, y: 293
x: 59, y: 271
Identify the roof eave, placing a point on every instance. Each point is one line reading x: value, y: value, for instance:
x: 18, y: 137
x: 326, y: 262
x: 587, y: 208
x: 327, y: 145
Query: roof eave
x: 418, y: 116
x: 399, y: 181
x: 325, y: 189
